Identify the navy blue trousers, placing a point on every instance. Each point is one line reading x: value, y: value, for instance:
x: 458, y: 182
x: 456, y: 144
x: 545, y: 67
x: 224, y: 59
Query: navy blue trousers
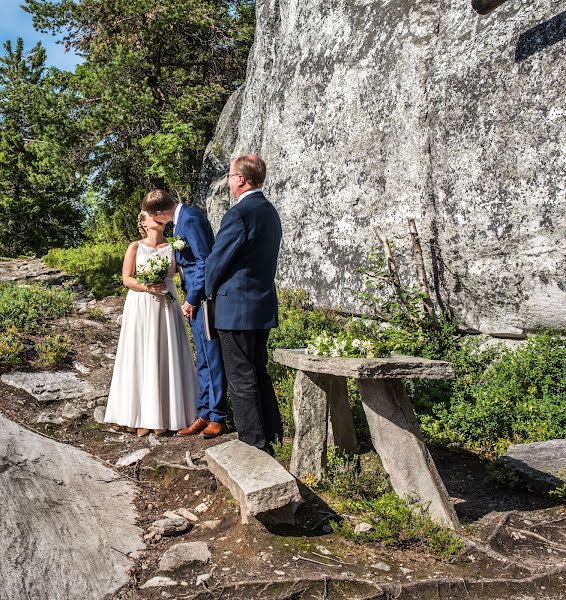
x: 211, y: 401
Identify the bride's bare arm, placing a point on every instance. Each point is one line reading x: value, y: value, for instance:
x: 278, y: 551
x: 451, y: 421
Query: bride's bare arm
x: 129, y: 273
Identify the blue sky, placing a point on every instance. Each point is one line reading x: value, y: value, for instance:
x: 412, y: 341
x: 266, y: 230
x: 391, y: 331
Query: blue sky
x: 15, y: 22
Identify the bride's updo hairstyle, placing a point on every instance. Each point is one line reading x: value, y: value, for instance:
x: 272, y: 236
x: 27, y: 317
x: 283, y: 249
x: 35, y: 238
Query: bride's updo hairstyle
x: 141, y: 218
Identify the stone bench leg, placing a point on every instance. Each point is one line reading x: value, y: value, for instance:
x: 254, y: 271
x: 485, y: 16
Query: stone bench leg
x: 310, y: 412
x: 397, y: 438
x: 317, y: 400
x: 341, y: 430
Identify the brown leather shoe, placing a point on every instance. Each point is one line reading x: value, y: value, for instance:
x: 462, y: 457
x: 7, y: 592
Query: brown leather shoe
x: 196, y: 427
x: 214, y: 430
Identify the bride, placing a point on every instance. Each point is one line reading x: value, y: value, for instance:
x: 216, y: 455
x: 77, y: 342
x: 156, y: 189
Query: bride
x: 154, y: 383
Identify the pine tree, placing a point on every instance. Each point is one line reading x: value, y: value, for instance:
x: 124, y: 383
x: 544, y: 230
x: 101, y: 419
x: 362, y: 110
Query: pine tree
x: 155, y: 76
x: 39, y: 188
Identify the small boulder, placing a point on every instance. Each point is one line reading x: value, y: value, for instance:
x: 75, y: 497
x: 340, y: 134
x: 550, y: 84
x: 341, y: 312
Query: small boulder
x: 72, y: 412
x: 211, y: 524
x: 541, y: 464
x: 170, y: 526
x: 48, y: 386
x: 98, y: 414
x: 363, y: 528
x: 50, y: 417
x: 131, y: 459
x: 183, y: 554
x: 158, y: 582
x: 187, y: 514
x: 381, y: 566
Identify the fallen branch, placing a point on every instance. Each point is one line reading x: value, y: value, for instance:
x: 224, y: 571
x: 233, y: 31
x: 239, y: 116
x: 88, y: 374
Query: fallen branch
x: 191, y: 465
x: 316, y: 562
x: 542, y: 538
x: 391, y: 265
x: 162, y: 463
x: 502, y: 521
x: 551, y: 523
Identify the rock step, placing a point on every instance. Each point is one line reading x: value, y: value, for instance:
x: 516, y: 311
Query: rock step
x: 542, y: 464
x: 262, y: 487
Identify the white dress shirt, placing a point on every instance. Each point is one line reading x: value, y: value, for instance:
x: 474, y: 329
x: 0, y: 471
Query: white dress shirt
x: 177, y: 213
x: 247, y: 194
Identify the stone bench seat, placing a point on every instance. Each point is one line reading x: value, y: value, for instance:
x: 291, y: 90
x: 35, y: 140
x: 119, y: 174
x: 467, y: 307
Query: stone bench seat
x: 321, y: 412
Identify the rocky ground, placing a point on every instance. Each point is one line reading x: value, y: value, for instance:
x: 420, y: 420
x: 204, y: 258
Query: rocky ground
x: 516, y: 542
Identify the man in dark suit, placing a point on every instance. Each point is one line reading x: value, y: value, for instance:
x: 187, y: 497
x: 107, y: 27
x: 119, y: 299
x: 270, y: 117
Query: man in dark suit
x: 192, y: 226
x: 239, y: 274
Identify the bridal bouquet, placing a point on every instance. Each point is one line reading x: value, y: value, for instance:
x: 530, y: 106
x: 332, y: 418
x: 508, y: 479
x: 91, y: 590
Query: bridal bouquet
x: 154, y: 271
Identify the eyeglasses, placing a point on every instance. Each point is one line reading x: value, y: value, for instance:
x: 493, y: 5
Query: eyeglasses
x: 234, y: 175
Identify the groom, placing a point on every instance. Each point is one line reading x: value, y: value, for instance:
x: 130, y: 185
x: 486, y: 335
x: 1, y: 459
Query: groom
x: 240, y: 273
x: 192, y: 226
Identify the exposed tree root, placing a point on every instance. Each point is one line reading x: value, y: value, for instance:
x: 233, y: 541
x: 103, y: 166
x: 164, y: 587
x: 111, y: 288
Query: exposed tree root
x: 296, y: 589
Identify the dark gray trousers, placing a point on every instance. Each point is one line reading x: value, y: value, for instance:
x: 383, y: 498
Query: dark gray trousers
x: 256, y: 413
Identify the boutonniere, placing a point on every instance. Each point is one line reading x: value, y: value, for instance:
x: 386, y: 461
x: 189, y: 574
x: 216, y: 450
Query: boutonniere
x: 176, y: 243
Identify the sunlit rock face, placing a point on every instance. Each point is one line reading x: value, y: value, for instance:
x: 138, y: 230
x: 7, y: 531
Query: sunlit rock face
x: 370, y: 111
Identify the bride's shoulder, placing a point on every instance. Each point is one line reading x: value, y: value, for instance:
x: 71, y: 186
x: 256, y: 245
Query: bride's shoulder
x: 133, y: 247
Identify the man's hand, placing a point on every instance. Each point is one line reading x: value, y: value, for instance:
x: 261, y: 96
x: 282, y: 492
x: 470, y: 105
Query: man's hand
x: 189, y: 310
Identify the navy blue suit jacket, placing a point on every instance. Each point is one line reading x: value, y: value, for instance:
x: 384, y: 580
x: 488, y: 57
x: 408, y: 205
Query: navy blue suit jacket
x: 240, y: 271
x: 194, y: 229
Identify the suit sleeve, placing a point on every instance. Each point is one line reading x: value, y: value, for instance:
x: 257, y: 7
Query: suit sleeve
x: 229, y: 240
x: 197, y: 237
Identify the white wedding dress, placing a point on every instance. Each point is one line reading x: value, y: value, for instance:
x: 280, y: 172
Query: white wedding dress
x: 154, y: 384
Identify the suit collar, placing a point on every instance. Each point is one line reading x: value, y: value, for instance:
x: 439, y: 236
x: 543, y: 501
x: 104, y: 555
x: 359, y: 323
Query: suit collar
x: 251, y: 194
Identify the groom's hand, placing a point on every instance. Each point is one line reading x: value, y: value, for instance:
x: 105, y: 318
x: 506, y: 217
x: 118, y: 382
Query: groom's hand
x: 189, y: 310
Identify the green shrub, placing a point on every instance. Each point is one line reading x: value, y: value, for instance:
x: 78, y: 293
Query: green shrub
x: 362, y: 489
x: 27, y: 307
x: 500, y: 396
x: 558, y: 493
x: 53, y: 350
x: 283, y: 450
x: 345, y: 479
x: 11, y: 348
x: 98, y: 266
x: 396, y: 522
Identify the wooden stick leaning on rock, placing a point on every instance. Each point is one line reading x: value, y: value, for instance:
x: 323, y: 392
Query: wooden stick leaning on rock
x: 421, y: 271
x: 392, y: 268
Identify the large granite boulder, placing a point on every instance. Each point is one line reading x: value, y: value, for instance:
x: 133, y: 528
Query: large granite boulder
x: 370, y: 111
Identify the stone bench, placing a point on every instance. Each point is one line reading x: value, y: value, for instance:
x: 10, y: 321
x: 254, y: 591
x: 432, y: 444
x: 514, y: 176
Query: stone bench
x: 262, y: 487
x: 321, y: 411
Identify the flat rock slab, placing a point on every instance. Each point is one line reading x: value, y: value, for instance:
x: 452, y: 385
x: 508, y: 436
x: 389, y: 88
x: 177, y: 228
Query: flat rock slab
x: 67, y: 521
x: 183, y: 554
x: 49, y: 386
x: 263, y: 488
x: 543, y: 464
x: 389, y: 367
